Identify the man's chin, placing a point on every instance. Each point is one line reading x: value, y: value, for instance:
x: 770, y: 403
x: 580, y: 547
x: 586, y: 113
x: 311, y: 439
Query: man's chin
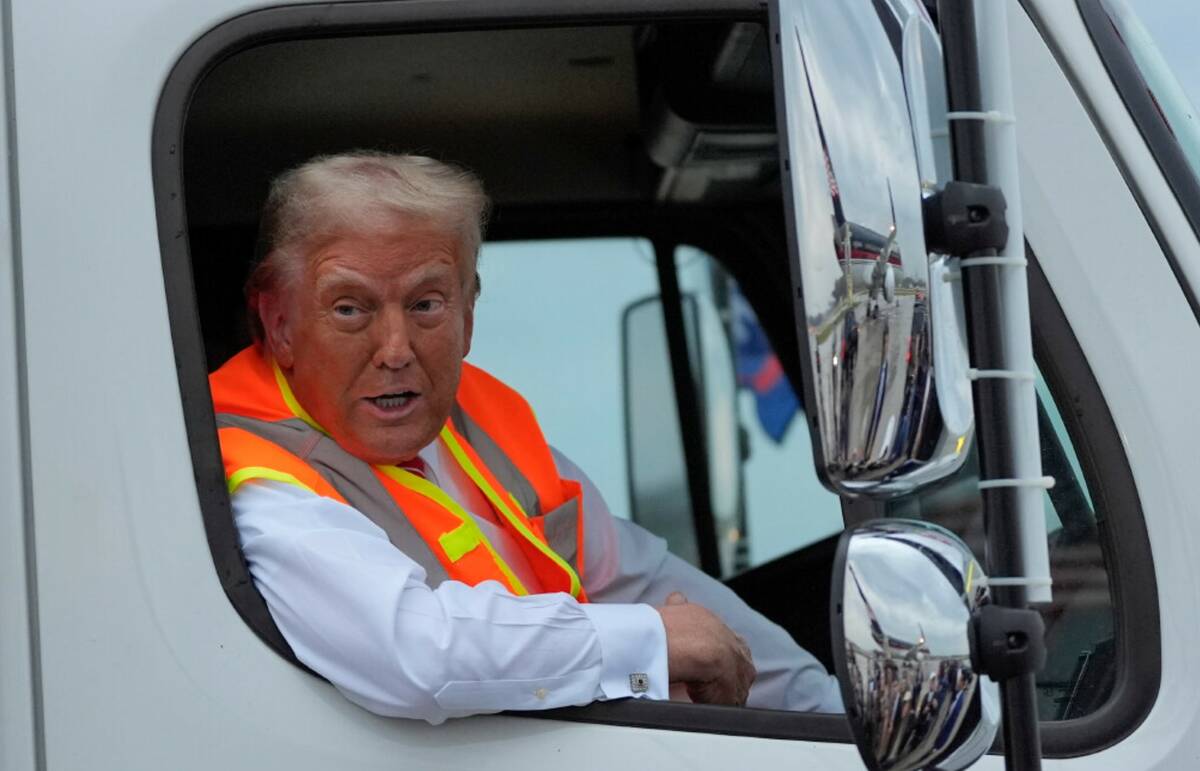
x: 389, y: 450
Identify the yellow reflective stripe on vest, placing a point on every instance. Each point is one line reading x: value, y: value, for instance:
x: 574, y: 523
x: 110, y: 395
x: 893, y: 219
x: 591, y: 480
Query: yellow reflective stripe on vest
x: 466, y: 536
x: 463, y: 460
x: 289, y: 398
x: 243, y: 475
x: 459, y: 541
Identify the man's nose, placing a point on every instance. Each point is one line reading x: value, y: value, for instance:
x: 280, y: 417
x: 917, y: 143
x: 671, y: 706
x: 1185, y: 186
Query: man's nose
x: 393, y: 349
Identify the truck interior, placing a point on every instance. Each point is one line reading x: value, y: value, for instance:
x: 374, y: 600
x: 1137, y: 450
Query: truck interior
x: 660, y: 129
x: 663, y: 131
x: 621, y: 129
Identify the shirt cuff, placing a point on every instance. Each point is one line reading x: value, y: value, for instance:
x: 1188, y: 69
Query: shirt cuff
x: 633, y: 650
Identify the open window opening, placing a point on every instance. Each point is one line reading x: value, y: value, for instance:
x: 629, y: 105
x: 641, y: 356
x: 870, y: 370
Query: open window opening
x: 639, y: 134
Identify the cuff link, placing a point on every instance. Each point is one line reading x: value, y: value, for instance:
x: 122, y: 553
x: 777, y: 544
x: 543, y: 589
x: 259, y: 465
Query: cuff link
x: 639, y: 682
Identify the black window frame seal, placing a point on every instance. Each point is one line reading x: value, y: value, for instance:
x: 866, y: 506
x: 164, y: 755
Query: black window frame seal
x: 167, y: 142
x: 1124, y: 541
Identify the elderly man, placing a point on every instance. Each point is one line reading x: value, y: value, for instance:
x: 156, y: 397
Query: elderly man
x: 416, y: 539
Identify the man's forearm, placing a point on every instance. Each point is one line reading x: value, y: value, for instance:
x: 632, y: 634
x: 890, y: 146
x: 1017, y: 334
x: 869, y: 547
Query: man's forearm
x: 788, y: 676
x: 358, y: 612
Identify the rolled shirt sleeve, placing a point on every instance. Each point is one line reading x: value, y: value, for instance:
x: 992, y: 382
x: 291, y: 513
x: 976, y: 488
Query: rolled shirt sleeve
x: 358, y: 612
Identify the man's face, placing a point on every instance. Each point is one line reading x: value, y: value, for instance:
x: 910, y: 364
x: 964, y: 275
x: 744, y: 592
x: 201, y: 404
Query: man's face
x: 371, y: 338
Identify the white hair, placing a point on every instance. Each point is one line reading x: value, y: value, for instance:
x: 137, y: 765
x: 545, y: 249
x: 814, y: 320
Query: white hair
x: 361, y: 192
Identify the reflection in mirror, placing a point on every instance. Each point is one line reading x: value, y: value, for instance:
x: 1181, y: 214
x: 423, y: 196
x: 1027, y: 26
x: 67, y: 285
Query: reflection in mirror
x: 710, y: 355
x: 658, y: 482
x: 903, y: 595
x: 660, y: 497
x: 866, y: 135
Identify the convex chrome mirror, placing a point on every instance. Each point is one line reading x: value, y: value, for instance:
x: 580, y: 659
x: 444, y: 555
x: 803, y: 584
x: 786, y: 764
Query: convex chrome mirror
x: 863, y: 102
x: 903, y: 596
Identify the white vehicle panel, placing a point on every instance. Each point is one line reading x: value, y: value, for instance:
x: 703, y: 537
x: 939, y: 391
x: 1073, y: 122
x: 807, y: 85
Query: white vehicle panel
x: 1132, y: 321
x: 18, y: 676
x: 1090, y: 73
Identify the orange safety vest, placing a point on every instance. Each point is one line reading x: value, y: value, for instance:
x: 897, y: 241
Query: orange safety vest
x: 492, y: 433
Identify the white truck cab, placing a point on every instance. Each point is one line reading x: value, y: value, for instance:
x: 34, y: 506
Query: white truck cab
x: 640, y: 288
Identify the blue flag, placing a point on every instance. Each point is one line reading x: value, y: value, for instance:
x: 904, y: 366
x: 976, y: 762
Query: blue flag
x: 759, y: 369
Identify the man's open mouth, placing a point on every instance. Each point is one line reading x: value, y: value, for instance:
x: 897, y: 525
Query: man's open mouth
x: 393, y: 400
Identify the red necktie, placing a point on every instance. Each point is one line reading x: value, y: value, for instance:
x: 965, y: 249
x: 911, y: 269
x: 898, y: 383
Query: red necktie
x: 415, y: 466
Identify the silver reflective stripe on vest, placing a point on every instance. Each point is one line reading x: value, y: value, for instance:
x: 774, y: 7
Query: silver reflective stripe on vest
x: 352, y: 478
x: 561, y: 524
x: 562, y: 533
x: 505, y: 471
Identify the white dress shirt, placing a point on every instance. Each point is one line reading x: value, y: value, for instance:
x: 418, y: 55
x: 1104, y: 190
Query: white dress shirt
x: 357, y: 611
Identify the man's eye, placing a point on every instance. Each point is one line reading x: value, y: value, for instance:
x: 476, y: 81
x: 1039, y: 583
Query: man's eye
x: 428, y: 305
x: 345, y: 311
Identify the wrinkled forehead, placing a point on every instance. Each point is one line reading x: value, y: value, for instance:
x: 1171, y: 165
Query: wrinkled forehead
x: 388, y: 245
x: 347, y: 270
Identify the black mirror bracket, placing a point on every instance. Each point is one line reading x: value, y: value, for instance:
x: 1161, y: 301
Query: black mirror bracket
x: 1007, y: 642
x: 964, y: 218
x: 986, y: 292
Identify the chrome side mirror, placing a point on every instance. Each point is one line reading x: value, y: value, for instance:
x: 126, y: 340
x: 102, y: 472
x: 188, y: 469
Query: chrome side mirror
x: 885, y: 357
x: 904, y: 593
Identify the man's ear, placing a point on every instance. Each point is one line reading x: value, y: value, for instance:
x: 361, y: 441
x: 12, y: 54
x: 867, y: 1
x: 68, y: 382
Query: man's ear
x: 272, y: 311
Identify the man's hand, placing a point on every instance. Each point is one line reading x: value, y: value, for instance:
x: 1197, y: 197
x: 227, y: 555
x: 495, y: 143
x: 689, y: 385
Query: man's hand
x: 704, y: 654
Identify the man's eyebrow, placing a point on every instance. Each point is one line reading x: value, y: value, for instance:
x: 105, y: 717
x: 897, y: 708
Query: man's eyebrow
x: 340, y: 277
x: 433, y: 271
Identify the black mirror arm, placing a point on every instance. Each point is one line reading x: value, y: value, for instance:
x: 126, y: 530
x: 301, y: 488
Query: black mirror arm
x: 994, y: 436
x: 965, y: 218
x: 1007, y: 642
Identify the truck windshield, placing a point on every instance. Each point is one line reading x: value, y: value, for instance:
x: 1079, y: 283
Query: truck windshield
x: 1161, y: 38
